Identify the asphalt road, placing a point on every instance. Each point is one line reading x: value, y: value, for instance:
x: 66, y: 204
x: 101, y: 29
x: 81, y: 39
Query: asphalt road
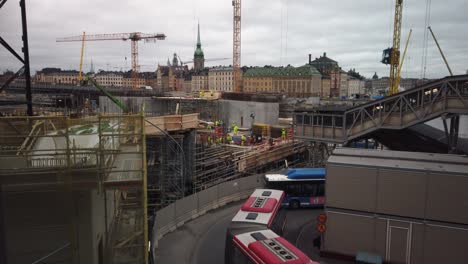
x: 201, y: 241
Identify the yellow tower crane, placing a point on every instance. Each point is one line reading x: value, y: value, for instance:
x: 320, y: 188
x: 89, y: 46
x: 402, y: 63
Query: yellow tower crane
x: 392, y: 55
x: 80, y: 74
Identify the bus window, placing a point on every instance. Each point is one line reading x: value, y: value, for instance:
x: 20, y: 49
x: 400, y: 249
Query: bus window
x: 310, y: 189
x: 321, y: 189
x: 294, y: 189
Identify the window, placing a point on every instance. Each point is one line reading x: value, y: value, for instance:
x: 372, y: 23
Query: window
x: 310, y: 189
x: 321, y: 189
x: 294, y: 189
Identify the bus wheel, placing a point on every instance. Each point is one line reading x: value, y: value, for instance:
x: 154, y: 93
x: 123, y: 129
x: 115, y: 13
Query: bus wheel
x: 294, y: 204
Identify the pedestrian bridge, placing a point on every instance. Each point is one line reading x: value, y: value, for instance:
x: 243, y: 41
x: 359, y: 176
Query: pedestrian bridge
x: 447, y: 96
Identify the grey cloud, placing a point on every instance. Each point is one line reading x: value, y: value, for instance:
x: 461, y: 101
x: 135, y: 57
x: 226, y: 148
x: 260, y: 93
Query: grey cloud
x: 352, y: 32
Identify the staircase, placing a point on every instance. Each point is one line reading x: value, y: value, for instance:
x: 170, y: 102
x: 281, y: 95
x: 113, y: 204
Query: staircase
x: 415, y: 106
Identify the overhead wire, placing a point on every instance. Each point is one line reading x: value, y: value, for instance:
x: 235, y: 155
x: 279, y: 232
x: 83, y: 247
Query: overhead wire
x: 287, y: 27
x: 427, y: 21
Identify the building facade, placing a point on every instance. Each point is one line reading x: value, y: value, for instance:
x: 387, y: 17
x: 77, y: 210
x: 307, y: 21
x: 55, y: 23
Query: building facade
x: 171, y: 78
x: 326, y: 83
x: 200, y: 81
x: 304, y: 81
x: 355, y: 86
x: 330, y: 68
x: 57, y: 76
x: 110, y: 79
x: 220, y: 79
x: 343, y: 81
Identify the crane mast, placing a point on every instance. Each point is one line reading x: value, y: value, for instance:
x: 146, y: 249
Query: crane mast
x: 440, y: 50
x: 80, y: 74
x: 392, y: 55
x: 237, y: 46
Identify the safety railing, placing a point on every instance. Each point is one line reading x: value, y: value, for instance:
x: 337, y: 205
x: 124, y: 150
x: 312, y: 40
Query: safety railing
x: 177, y: 214
x: 417, y: 105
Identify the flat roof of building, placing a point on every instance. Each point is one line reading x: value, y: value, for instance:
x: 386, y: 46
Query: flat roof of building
x: 447, y: 163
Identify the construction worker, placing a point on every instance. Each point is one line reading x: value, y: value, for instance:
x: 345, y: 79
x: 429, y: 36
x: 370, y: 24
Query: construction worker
x: 283, y: 134
x: 236, y: 128
x: 229, y: 138
x: 243, y: 140
x: 216, y: 123
x: 202, y: 94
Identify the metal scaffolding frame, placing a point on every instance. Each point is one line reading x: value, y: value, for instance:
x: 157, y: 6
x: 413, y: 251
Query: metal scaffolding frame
x: 100, y: 157
x: 170, y: 167
x: 25, y: 70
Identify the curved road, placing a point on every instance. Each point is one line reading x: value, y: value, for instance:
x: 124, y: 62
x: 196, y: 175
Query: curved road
x: 201, y: 241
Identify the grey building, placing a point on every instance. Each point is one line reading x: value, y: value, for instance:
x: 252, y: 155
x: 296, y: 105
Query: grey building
x: 404, y: 206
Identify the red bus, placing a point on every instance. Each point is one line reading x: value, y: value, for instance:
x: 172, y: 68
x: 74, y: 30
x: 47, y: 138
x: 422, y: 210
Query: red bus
x: 252, y: 236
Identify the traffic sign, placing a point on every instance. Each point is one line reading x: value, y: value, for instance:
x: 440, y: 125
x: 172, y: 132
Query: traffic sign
x: 322, y: 218
x: 321, y: 228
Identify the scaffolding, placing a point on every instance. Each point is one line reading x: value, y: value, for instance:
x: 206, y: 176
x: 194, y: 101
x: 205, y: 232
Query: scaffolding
x: 74, y: 190
x: 219, y: 163
x: 170, y: 167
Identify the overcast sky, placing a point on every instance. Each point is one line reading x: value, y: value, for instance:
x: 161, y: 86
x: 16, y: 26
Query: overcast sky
x: 274, y: 32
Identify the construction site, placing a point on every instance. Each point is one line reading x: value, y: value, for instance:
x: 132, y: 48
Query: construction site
x: 107, y: 167
x: 92, y: 184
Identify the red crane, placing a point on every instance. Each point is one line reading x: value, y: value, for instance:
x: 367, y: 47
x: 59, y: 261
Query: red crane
x: 236, y: 54
x: 134, y: 37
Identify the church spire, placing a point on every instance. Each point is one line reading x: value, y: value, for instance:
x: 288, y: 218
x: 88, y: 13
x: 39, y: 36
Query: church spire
x: 198, y: 56
x: 198, y: 35
x: 91, y: 70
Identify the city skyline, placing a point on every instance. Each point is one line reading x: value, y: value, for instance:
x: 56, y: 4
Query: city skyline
x: 273, y: 35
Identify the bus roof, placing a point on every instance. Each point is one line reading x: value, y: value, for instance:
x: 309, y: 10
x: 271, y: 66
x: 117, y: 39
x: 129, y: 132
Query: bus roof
x: 265, y: 246
x: 299, y: 174
x: 260, y: 208
x: 307, y: 173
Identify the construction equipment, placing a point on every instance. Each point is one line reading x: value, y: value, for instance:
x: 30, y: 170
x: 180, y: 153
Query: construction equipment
x: 237, y: 46
x: 80, y: 74
x: 191, y: 61
x: 441, y: 53
x: 397, y: 82
x: 134, y: 37
x: 106, y: 93
x: 392, y: 55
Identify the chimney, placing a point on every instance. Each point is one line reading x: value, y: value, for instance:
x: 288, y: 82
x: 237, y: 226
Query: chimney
x: 310, y: 58
x: 324, y: 54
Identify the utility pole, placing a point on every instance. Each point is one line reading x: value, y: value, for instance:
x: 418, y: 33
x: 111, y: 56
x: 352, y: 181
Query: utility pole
x: 27, y: 70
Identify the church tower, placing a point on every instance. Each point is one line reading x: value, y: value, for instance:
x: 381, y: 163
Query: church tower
x: 198, y: 56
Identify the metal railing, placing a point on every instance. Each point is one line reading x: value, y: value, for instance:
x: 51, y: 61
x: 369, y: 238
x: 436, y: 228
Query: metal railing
x: 417, y: 105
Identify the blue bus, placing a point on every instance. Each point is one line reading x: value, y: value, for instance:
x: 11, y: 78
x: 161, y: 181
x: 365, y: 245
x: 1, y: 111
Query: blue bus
x: 304, y: 187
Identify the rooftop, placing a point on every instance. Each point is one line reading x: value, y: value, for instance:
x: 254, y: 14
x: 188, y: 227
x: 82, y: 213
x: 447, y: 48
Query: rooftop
x: 302, y: 71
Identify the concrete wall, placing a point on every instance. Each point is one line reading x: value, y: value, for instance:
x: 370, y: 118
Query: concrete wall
x: 405, y: 215
x: 175, y: 215
x: 227, y: 110
x: 233, y: 111
x: 37, y: 223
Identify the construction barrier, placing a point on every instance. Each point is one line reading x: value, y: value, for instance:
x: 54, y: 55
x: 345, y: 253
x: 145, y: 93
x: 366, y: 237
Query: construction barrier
x: 175, y: 215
